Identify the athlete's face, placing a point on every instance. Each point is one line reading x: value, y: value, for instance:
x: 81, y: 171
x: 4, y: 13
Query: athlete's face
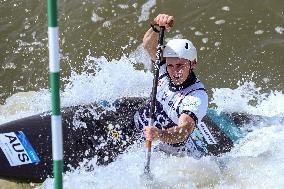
x: 178, y: 69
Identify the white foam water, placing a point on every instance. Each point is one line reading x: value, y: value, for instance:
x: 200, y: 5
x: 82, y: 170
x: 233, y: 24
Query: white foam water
x: 257, y: 161
x: 145, y: 10
x: 112, y: 80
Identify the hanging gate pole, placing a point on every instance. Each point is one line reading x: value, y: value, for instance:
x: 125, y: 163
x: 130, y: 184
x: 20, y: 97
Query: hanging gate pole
x: 54, y: 68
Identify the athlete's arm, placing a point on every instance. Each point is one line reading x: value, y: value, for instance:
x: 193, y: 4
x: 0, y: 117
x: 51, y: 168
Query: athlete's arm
x: 150, y: 39
x: 150, y: 42
x: 172, y: 135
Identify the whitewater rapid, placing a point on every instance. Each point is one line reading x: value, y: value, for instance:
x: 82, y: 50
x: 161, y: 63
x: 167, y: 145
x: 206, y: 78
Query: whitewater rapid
x: 257, y: 161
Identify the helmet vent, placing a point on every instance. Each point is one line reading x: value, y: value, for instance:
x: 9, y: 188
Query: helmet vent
x: 186, y: 45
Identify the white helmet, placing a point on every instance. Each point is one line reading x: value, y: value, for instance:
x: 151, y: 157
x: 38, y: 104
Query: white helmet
x: 181, y: 48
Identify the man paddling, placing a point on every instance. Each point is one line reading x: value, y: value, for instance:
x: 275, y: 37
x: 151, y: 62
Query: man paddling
x: 181, y: 100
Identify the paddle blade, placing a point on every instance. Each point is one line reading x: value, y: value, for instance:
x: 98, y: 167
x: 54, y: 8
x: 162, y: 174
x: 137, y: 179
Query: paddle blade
x: 147, y: 176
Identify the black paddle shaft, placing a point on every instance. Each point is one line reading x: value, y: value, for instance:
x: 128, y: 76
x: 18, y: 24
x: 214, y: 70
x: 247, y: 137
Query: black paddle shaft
x: 156, y: 73
x: 153, y: 98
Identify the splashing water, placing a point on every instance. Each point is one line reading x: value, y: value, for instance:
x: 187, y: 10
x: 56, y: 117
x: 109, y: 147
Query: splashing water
x: 112, y: 80
x: 247, y: 98
x: 257, y: 161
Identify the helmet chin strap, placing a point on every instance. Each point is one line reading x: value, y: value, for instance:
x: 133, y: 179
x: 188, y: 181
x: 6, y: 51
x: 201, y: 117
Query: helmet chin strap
x: 190, y: 66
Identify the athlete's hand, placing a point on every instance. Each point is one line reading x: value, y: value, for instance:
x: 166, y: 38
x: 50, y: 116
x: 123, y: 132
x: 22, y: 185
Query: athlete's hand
x: 150, y: 132
x: 164, y: 20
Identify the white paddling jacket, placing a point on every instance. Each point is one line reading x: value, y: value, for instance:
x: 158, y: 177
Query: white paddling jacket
x: 172, y: 101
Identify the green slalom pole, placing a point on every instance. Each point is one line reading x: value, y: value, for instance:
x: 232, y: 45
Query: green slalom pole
x: 54, y: 68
